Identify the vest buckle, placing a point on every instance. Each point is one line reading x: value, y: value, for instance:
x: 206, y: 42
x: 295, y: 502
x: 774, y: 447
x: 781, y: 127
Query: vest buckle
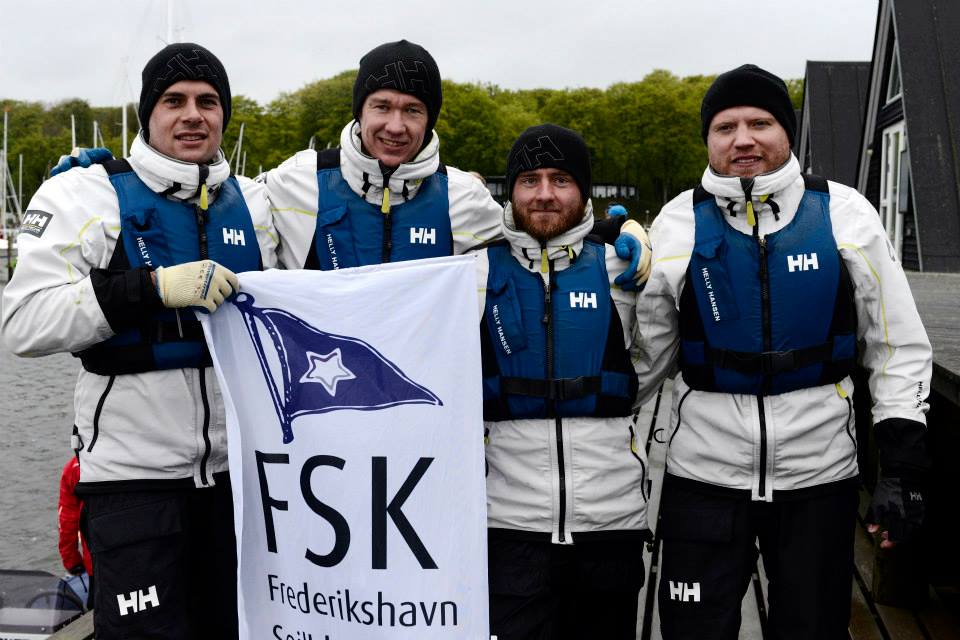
x: 774, y: 362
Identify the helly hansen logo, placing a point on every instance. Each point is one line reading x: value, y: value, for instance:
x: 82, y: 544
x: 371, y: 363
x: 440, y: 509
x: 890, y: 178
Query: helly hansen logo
x: 685, y: 592
x: 402, y: 75
x: 916, y: 496
x: 583, y: 300
x: 803, y: 262
x: 423, y: 235
x: 185, y: 65
x: 137, y: 601
x: 532, y: 156
x: 234, y: 236
x: 35, y: 222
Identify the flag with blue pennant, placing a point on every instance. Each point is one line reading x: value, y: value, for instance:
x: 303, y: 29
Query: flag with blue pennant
x: 323, y: 372
x: 354, y: 427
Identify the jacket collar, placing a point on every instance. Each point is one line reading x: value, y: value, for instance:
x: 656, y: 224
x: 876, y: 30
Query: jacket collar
x: 561, y: 250
x: 365, y: 177
x: 173, y: 177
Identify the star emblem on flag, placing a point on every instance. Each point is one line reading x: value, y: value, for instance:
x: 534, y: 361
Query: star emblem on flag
x: 328, y: 370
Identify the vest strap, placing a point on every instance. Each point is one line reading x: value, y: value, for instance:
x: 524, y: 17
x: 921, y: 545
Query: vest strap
x: 770, y: 362
x: 557, y: 389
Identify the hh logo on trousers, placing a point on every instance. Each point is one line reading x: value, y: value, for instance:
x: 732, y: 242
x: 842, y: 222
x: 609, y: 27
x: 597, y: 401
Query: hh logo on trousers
x: 234, y: 236
x: 583, y: 300
x: 137, y: 601
x: 803, y: 262
x: 423, y: 235
x: 685, y: 592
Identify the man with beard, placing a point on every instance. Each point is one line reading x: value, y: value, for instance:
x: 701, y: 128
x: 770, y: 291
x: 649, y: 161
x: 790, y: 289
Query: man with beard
x: 763, y: 283
x: 114, y: 258
x: 566, y: 478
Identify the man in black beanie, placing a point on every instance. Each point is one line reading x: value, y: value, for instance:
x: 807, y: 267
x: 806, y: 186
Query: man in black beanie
x: 764, y: 281
x: 162, y: 233
x: 383, y: 195
x: 566, y: 501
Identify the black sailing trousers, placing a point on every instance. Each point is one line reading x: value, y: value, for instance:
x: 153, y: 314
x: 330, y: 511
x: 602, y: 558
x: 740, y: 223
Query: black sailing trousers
x: 544, y: 591
x: 710, y: 550
x: 164, y: 563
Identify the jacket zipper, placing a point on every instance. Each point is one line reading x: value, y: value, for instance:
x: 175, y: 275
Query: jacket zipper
x: 206, y: 427
x: 387, y: 247
x: 551, y: 403
x: 765, y: 314
x: 96, y: 414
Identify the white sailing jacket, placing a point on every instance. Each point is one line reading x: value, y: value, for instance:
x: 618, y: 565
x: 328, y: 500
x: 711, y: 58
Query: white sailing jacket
x: 604, y: 463
x: 155, y: 426
x: 810, y: 437
x: 293, y: 192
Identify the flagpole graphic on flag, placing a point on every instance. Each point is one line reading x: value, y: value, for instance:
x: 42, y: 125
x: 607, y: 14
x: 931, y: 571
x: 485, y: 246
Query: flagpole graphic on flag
x: 322, y: 372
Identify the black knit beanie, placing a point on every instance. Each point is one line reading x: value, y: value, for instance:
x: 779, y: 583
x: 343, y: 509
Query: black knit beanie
x: 550, y: 146
x: 176, y: 62
x: 748, y: 86
x: 402, y: 66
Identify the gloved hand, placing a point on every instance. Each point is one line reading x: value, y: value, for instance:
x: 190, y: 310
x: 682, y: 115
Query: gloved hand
x: 81, y: 157
x: 897, y: 509
x: 633, y: 245
x: 196, y: 284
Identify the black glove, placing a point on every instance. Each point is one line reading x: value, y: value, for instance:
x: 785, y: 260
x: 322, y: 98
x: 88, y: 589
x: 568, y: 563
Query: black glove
x: 898, y: 508
x: 897, y: 504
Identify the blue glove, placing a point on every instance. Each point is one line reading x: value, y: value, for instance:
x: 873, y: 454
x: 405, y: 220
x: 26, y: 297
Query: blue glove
x: 81, y: 157
x: 633, y: 245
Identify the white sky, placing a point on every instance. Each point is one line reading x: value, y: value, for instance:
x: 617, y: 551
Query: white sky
x: 95, y: 49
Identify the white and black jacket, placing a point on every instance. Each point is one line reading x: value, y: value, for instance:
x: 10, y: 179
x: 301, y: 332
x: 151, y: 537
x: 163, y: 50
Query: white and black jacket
x: 293, y: 192
x: 159, y: 428
x: 809, y: 437
x: 604, y: 466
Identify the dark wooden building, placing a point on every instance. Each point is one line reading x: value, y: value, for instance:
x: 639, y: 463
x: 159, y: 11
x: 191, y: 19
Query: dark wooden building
x: 834, y: 102
x: 909, y: 164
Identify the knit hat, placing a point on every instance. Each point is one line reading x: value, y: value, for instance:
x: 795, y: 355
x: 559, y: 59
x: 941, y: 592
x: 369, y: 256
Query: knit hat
x: 749, y: 86
x: 402, y: 66
x: 550, y: 146
x: 176, y: 62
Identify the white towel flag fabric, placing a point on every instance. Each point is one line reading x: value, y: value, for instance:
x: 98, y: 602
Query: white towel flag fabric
x: 354, y: 416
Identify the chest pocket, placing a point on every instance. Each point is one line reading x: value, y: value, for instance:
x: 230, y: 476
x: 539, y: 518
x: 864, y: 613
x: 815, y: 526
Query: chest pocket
x: 504, y: 318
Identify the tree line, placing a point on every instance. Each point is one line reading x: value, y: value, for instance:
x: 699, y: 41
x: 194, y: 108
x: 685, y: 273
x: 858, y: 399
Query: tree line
x: 643, y: 134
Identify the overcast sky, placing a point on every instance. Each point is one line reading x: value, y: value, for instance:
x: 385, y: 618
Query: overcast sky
x: 51, y: 50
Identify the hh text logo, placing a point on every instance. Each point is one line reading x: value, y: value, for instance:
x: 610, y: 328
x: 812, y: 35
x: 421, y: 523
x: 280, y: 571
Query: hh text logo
x: 423, y: 235
x: 35, y: 222
x: 531, y: 156
x: 685, y: 592
x: 403, y: 75
x: 234, y: 236
x: 137, y: 601
x: 583, y: 300
x: 803, y: 262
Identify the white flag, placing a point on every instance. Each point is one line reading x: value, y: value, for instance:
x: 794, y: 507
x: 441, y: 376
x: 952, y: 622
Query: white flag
x: 354, y: 417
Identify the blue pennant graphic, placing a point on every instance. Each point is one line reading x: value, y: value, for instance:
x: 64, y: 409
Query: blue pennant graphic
x: 324, y: 372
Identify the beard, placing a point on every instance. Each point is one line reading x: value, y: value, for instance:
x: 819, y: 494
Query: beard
x: 543, y: 226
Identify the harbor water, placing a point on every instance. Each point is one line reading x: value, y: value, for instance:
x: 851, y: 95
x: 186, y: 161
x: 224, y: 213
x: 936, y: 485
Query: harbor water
x: 36, y: 418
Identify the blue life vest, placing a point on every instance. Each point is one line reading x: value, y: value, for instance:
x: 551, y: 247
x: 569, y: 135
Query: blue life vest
x: 351, y: 232
x: 562, y: 357
x: 158, y: 232
x: 768, y: 315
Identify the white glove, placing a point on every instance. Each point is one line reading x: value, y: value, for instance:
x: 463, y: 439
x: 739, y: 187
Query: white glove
x: 196, y: 284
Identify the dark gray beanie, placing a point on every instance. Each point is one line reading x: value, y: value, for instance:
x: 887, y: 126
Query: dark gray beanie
x: 550, y: 146
x: 176, y: 62
x: 402, y: 66
x: 748, y: 86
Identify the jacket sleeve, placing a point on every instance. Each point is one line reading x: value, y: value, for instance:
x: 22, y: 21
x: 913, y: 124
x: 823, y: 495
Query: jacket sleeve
x: 657, y: 340
x: 51, y: 305
x: 896, y: 350
x: 68, y: 516
x: 475, y: 216
x: 292, y: 194
x: 255, y: 195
